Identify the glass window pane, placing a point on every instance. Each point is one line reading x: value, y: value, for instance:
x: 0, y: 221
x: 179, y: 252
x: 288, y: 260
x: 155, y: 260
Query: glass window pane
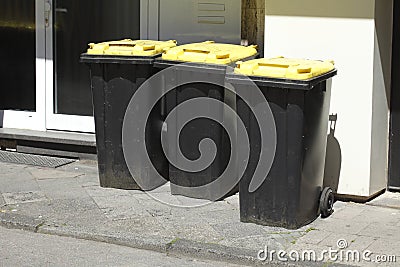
x: 18, y: 55
x: 77, y: 23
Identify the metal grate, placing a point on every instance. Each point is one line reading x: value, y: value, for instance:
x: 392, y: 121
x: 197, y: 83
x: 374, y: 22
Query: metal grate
x: 35, y: 160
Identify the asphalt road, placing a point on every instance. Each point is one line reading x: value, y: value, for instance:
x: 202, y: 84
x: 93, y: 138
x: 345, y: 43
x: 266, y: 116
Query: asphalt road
x: 22, y: 248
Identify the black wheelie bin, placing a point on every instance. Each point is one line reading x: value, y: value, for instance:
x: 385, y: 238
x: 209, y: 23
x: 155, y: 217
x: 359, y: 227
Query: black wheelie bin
x: 198, y: 71
x: 298, y: 94
x: 117, y: 70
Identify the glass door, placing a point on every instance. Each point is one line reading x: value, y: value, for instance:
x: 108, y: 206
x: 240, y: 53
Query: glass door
x: 72, y: 24
x: 68, y: 96
x: 22, y: 64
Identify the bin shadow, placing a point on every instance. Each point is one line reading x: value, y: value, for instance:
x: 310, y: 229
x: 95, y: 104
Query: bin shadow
x: 333, y: 158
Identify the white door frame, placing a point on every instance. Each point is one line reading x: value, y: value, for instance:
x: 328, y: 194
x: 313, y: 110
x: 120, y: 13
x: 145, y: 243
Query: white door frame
x: 44, y: 118
x: 60, y: 121
x: 34, y: 120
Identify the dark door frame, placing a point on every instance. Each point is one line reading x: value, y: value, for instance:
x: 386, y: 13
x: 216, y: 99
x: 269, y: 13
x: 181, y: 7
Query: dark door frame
x: 394, y: 137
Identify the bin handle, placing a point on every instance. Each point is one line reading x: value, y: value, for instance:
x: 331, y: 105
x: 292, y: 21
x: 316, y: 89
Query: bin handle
x: 145, y: 47
x: 332, y: 121
x: 222, y: 55
x: 219, y: 55
x: 122, y: 45
x: 273, y: 65
x: 300, y: 70
x: 304, y: 70
x: 200, y: 51
x: 148, y: 47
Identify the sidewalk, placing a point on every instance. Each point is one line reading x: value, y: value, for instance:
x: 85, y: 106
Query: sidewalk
x: 68, y: 202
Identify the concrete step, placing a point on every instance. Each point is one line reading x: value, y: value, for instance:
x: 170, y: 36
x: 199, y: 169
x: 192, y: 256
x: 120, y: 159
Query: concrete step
x: 50, y: 143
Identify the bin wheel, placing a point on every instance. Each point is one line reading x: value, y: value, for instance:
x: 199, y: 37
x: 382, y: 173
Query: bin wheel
x: 326, y: 202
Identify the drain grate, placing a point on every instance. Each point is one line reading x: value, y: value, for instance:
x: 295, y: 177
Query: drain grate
x: 35, y: 160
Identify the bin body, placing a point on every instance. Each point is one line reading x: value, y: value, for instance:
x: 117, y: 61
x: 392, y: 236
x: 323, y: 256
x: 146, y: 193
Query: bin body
x: 289, y: 196
x: 195, y: 131
x: 200, y: 128
x: 114, y: 80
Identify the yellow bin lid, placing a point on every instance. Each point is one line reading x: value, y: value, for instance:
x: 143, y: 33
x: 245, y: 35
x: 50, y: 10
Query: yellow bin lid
x: 209, y: 52
x: 128, y: 47
x: 288, y: 68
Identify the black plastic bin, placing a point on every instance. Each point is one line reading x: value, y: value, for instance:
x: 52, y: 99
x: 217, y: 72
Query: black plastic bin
x: 115, y: 77
x: 200, y: 64
x: 291, y: 195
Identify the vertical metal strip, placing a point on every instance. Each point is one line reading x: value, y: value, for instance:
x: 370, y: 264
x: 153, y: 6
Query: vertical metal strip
x: 144, y: 19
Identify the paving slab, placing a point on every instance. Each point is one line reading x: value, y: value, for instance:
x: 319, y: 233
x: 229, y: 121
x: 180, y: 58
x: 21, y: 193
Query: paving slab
x: 381, y: 246
x: 340, y: 226
x: 361, y: 243
x: 2, y: 201
x: 339, y: 241
x: 7, y: 168
x: 81, y: 166
x: 97, y: 191
x: 88, y: 180
x: 237, y: 230
x: 388, y: 199
x: 47, y: 173
x: 24, y: 197
x: 199, y: 232
x: 18, y: 181
x: 378, y: 216
x: 351, y: 211
x: 255, y: 243
x: 382, y: 230
x: 314, y: 237
x: 62, y: 188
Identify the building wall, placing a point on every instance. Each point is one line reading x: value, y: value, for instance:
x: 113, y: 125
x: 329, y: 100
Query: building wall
x: 381, y: 94
x: 345, y: 31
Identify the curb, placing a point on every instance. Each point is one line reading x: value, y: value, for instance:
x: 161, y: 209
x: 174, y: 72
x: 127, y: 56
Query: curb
x: 18, y: 221
x: 177, y: 247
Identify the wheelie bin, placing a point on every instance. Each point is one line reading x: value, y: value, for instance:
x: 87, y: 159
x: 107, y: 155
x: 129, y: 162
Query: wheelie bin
x: 198, y: 72
x: 117, y: 70
x: 298, y: 93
